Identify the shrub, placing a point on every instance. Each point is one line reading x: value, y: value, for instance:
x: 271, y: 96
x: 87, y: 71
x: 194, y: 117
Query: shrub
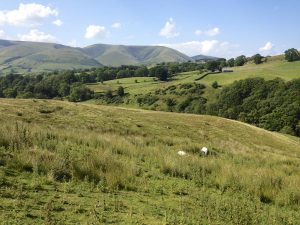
x: 215, y: 84
x: 80, y: 93
x: 184, y: 104
x: 108, y: 94
x: 147, y: 99
x: 120, y: 91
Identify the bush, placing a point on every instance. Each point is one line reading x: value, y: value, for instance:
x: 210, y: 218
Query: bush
x: 215, y: 84
x: 147, y: 99
x: 108, y: 94
x: 80, y: 93
x: 120, y: 91
x: 184, y: 104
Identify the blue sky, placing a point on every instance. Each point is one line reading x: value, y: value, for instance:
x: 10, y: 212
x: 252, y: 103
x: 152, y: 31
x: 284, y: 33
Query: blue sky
x: 220, y: 28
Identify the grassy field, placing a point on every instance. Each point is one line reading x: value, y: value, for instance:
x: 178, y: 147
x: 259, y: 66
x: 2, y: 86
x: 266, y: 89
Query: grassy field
x: 68, y: 163
x: 274, y: 68
x: 269, y: 70
x: 138, y: 85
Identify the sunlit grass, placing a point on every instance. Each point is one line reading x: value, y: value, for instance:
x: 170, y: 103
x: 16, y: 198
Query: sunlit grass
x: 81, y: 163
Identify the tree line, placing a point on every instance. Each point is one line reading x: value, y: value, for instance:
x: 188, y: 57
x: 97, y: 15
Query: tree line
x: 273, y: 105
x: 162, y: 71
x: 270, y: 104
x: 44, y: 86
x: 71, y: 84
x: 290, y: 55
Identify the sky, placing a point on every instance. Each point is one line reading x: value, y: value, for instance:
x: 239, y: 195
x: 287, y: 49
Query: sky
x: 215, y: 27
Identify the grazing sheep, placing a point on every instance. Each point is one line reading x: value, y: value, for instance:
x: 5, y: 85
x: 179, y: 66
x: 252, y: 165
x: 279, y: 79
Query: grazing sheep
x: 181, y: 153
x: 204, y: 150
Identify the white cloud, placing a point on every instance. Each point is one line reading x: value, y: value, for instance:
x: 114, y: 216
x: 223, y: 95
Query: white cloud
x: 2, y: 34
x: 267, y: 47
x: 116, y: 25
x: 210, y: 32
x: 95, y: 31
x: 37, y: 36
x: 57, y: 22
x: 168, y: 30
x: 207, y: 47
x: 27, y: 15
x: 194, y: 47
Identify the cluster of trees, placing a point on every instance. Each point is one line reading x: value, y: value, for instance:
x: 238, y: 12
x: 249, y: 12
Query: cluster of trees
x: 70, y: 84
x: 218, y: 65
x: 291, y: 55
x: 162, y: 71
x: 45, y: 86
x: 273, y: 105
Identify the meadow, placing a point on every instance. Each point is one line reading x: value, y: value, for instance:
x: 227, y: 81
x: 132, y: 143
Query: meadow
x: 275, y: 67
x: 79, y: 163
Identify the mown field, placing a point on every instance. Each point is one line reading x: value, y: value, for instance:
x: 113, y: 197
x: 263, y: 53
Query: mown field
x: 68, y: 163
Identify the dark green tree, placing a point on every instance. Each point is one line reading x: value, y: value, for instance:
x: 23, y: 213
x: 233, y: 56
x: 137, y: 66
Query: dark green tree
x: 141, y: 72
x: 80, y: 93
x: 230, y: 62
x: 292, y: 54
x: 240, y: 60
x: 161, y: 73
x: 212, y: 65
x: 257, y: 59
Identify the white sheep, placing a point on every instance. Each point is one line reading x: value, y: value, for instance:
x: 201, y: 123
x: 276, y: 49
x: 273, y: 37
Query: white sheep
x: 181, y: 153
x: 204, y: 150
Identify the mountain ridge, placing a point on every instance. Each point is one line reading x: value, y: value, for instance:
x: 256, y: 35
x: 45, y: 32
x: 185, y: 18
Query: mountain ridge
x: 23, y: 56
x: 204, y: 58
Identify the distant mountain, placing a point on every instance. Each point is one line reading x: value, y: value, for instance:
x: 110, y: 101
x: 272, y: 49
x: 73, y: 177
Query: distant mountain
x: 19, y: 56
x: 204, y: 58
x: 31, y: 56
x: 115, y: 55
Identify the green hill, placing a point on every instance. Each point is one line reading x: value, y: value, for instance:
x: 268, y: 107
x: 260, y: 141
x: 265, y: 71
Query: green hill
x: 115, y: 55
x: 82, y: 163
x: 22, y: 57
x: 275, y: 67
x: 204, y: 58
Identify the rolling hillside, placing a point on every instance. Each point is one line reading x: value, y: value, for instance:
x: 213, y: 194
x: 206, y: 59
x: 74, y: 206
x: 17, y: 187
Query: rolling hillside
x: 116, y: 55
x: 276, y: 67
x: 25, y: 57
x: 34, y: 57
x: 82, y: 163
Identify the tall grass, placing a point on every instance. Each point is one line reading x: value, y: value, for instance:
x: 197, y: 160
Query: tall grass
x: 237, y: 183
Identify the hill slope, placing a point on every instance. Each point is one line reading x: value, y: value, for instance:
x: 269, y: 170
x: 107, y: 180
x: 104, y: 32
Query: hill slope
x: 82, y: 163
x: 31, y: 56
x: 276, y: 67
x: 22, y: 57
x: 116, y: 55
x: 204, y: 58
